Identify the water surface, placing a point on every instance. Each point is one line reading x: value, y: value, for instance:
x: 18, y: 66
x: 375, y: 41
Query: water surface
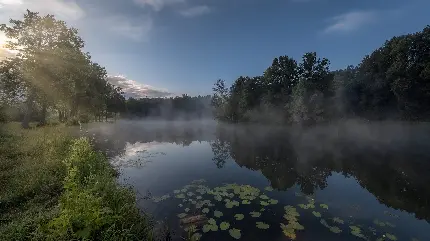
x: 348, y: 181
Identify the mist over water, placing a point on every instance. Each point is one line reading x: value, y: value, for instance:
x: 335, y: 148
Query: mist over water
x: 362, y: 171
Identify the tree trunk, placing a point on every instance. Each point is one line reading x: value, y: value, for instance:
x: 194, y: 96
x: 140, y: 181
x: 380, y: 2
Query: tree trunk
x: 42, y: 120
x: 28, y: 110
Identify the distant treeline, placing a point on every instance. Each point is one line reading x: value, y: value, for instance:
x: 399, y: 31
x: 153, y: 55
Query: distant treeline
x: 180, y: 107
x: 391, y: 83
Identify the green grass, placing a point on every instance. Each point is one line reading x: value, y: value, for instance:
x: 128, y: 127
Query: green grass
x: 53, y: 187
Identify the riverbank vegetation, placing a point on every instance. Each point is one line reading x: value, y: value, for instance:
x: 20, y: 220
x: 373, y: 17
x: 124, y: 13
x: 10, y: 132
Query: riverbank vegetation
x: 393, y: 82
x: 57, y: 188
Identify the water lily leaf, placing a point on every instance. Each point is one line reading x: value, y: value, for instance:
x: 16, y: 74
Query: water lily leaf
x: 273, y: 201
x: 218, y: 198
x: 255, y: 214
x: 288, y: 231
x: 231, y: 195
x: 187, y: 210
x: 391, y: 236
x: 214, y: 228
x: 194, y: 202
x: 184, y: 190
x: 262, y: 209
x: 239, y: 216
x: 316, y: 214
x: 303, y: 206
x: 324, y: 223
x: 190, y: 194
x: 229, y: 205
x: 338, y: 220
x: 335, y: 229
x: 182, y: 215
x: 262, y: 225
x: 264, y: 197
x: 217, y: 214
x: 205, y: 210
x: 199, y: 197
x: 192, y: 228
x: 263, y: 203
x: 212, y: 221
x: 206, y: 228
x: 246, y: 202
x: 180, y: 205
x: 180, y: 195
x: 325, y: 206
x: 196, y: 237
x: 379, y: 223
x: 235, y: 233
x: 269, y: 189
x: 224, y: 226
x: 176, y: 191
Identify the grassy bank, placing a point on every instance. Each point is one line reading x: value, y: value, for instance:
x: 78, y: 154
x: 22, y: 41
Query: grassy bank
x: 53, y: 187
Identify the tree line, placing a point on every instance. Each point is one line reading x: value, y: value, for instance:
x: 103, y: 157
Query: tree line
x: 50, y: 72
x: 393, y: 82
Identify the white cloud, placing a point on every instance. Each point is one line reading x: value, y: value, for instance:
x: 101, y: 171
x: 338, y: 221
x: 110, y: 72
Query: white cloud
x: 136, y: 29
x: 132, y: 88
x: 351, y: 21
x: 195, y: 11
x: 157, y: 5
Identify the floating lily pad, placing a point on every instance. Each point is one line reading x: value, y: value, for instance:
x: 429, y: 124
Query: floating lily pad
x: 192, y: 228
x: 324, y: 223
x: 273, y: 201
x: 288, y: 231
x: 255, y: 214
x: 379, y: 223
x: 263, y: 203
x: 224, y: 226
x: 269, y: 189
x: 176, y: 191
x: 264, y: 197
x: 184, y: 190
x: 206, y: 228
x: 187, y: 210
x: 194, y: 202
x: 218, y: 198
x: 229, y: 205
x: 212, y: 221
x: 180, y: 205
x: 316, y: 214
x: 391, y: 236
x: 356, y: 231
x: 182, y: 215
x: 190, y: 194
x: 205, y: 210
x: 246, y: 202
x: 338, y: 220
x: 196, y: 237
x: 199, y: 197
x: 239, y: 216
x: 335, y: 229
x: 180, y: 195
x: 303, y: 206
x: 217, y: 214
x: 235, y: 233
x: 325, y: 206
x: 262, y: 209
x: 262, y: 225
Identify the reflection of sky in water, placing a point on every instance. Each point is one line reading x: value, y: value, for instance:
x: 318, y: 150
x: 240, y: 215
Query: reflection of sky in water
x: 170, y: 166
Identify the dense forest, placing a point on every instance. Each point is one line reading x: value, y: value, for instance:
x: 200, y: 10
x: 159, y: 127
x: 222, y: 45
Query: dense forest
x: 393, y: 82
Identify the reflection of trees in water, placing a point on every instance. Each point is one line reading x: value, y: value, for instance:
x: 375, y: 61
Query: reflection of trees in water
x: 286, y: 160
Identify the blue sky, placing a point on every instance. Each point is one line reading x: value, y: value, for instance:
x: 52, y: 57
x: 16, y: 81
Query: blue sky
x: 161, y: 47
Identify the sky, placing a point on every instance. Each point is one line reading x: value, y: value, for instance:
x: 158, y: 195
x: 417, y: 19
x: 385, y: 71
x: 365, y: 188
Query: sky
x: 173, y: 47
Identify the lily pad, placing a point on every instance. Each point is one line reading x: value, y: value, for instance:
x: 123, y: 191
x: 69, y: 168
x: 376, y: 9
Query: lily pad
x: 239, y: 216
x: 264, y: 197
x: 190, y: 194
x: 273, y: 201
x: 269, y: 189
x: 212, y: 221
x: 205, y: 210
x: 187, y: 210
x: 325, y: 206
x: 255, y: 214
x: 199, y: 197
x: 180, y: 205
x: 263, y: 203
x: 218, y: 198
x: 217, y: 214
x: 379, y: 223
x: 235, y: 233
x: 391, y: 236
x: 176, y: 191
x: 184, y: 190
x: 206, y: 228
x: 303, y: 206
x: 335, y: 229
x: 229, y: 205
x: 196, y: 237
x: 338, y: 220
x: 224, y: 226
x: 262, y: 225
x: 180, y: 195
x: 182, y: 215
x: 246, y: 202
x: 316, y: 214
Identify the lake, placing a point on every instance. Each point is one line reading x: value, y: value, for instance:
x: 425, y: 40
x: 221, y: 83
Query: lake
x: 345, y: 181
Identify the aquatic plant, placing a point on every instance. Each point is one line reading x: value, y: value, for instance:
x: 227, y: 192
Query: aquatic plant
x: 176, y: 191
x: 316, y: 214
x: 273, y: 201
x: 239, y: 216
x: 338, y: 220
x: 180, y: 195
x: 196, y: 237
x: 235, y: 233
x: 187, y: 210
x: 224, y: 226
x: 264, y: 197
x: 255, y: 214
x: 205, y: 210
x: 379, y: 223
x: 335, y: 229
x: 182, y: 215
x: 262, y: 225
x: 356, y: 231
x: 264, y: 203
x: 391, y: 236
x: 210, y: 226
x: 246, y: 202
x: 325, y: 206
x: 269, y: 189
x: 218, y: 214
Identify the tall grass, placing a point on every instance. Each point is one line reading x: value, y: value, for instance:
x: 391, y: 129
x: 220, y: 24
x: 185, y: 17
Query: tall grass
x: 54, y: 187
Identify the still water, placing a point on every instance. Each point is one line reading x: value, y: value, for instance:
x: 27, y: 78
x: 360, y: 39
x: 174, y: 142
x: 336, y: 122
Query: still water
x: 346, y: 181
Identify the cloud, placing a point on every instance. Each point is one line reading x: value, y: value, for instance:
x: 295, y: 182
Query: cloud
x: 136, y: 29
x: 350, y: 21
x: 67, y: 10
x: 132, y: 88
x: 195, y: 11
x: 157, y: 5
